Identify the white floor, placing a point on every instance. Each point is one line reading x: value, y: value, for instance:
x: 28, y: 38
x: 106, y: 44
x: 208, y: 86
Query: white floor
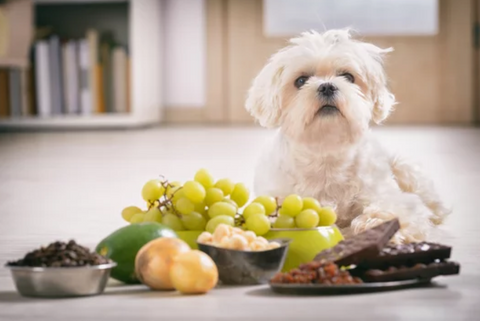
x: 74, y: 185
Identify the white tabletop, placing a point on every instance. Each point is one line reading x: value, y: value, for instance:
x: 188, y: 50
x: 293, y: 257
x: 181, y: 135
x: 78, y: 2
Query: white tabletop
x: 60, y: 186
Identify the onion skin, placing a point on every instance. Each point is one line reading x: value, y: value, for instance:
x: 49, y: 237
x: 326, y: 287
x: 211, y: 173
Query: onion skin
x: 193, y: 272
x: 154, y: 260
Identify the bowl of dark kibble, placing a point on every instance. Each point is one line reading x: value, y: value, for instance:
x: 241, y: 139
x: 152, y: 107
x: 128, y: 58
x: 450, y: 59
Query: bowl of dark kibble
x: 61, y: 270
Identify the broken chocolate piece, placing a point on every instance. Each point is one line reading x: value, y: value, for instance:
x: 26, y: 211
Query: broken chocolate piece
x: 358, y: 248
x: 407, y: 254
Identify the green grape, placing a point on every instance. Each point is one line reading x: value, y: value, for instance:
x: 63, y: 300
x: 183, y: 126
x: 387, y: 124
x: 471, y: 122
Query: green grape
x: 217, y: 220
x: 311, y: 203
x: 152, y: 190
x: 213, y: 196
x: 269, y: 202
x: 137, y: 218
x: 229, y: 201
x: 184, y: 206
x: 194, y: 221
x: 200, y: 208
x: 292, y: 205
x: 194, y: 191
x: 179, y: 193
x: 204, y: 177
x: 173, y: 186
x: 327, y: 216
x: 307, y: 219
x: 153, y: 215
x: 240, y: 194
x: 253, y: 208
x: 226, y: 185
x: 128, y: 212
x: 172, y: 221
x: 284, y: 221
x: 258, y: 223
x: 222, y: 208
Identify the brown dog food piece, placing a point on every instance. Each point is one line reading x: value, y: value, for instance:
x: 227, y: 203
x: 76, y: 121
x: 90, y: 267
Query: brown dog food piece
x: 60, y: 254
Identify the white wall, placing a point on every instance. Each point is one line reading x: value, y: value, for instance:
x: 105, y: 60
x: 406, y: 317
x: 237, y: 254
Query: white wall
x: 369, y: 17
x: 185, y: 53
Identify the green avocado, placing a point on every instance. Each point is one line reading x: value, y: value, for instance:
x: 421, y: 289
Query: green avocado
x: 122, y: 246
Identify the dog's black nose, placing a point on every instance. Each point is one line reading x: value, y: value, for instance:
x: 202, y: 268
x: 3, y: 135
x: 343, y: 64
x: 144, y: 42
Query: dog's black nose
x: 327, y: 89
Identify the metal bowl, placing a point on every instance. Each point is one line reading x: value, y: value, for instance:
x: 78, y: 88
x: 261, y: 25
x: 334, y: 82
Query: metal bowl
x: 247, y: 267
x: 57, y: 282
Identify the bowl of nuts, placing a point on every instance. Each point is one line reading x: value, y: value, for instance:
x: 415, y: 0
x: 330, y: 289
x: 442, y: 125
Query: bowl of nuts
x: 241, y: 257
x: 61, y: 270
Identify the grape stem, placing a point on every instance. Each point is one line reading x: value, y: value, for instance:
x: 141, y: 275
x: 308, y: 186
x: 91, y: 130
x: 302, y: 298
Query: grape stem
x: 239, y: 220
x: 165, y: 201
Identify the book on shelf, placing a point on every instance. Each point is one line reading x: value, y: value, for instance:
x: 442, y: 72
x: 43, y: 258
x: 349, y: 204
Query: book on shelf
x: 83, y: 76
x: 42, y: 78
x: 4, y: 94
x: 13, y: 100
x: 85, y: 79
x: 71, y: 77
x: 106, y: 45
x: 119, y: 75
x: 30, y: 90
x: 56, y: 80
x: 92, y: 40
x: 15, y: 92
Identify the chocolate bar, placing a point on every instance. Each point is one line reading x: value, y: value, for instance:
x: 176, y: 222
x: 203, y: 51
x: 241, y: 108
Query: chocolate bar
x: 418, y: 271
x: 360, y: 247
x: 407, y: 255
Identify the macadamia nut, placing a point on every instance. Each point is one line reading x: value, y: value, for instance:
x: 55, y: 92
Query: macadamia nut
x: 234, y: 238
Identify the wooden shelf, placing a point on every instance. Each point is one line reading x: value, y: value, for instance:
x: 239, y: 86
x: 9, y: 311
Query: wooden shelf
x: 75, y: 1
x: 77, y: 121
x: 145, y: 46
x: 13, y: 63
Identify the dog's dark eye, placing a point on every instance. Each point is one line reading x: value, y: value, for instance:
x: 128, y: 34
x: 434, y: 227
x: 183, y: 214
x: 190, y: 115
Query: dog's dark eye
x: 300, y: 81
x: 348, y: 76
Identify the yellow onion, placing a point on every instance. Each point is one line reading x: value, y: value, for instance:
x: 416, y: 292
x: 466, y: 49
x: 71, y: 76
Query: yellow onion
x: 193, y: 272
x: 154, y: 260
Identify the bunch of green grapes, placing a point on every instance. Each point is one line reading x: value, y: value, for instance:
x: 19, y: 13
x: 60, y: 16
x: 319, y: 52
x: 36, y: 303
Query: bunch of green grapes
x: 295, y: 212
x: 199, y: 204
x: 202, y: 204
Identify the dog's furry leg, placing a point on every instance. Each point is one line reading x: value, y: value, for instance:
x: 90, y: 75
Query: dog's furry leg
x: 414, y: 217
x: 411, y: 179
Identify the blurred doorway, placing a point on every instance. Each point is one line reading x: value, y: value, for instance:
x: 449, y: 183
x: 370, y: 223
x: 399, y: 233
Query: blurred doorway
x: 430, y: 71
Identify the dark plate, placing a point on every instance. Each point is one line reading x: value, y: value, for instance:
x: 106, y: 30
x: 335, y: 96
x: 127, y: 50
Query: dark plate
x: 320, y: 289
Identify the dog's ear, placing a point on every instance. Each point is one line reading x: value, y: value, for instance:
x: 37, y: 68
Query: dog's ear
x: 383, y: 106
x: 264, y: 98
x: 383, y: 99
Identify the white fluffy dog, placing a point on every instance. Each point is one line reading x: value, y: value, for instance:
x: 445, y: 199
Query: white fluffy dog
x: 322, y: 92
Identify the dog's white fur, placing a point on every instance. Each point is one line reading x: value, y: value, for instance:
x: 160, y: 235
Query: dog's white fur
x: 333, y: 157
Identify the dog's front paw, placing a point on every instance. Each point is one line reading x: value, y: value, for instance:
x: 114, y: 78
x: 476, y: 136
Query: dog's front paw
x: 408, y: 235
x: 371, y: 217
x: 409, y: 232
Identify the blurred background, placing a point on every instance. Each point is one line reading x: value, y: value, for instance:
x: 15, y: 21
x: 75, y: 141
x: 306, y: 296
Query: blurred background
x: 99, y: 96
x: 122, y: 64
